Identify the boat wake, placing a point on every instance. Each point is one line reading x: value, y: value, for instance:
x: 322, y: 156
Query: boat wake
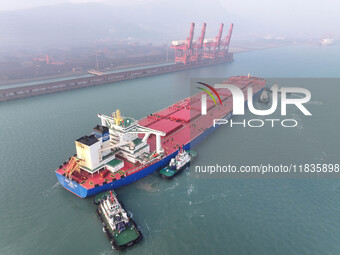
x: 336, y: 189
x: 315, y: 103
x: 149, y: 240
x: 190, y: 189
x: 173, y: 186
x: 299, y: 121
x: 130, y: 214
x: 297, y: 95
x: 52, y: 190
x: 56, y: 185
x: 107, y: 252
x: 147, y: 186
x: 321, y: 157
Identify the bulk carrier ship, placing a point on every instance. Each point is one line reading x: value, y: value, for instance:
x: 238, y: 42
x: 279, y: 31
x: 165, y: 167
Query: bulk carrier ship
x: 123, y: 150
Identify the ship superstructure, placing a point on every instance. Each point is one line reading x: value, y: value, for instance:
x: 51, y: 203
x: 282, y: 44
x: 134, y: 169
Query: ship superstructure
x: 110, y: 144
x: 264, y: 97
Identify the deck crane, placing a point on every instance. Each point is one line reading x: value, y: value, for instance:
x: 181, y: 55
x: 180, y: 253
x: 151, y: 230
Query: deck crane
x: 135, y: 128
x: 72, y: 166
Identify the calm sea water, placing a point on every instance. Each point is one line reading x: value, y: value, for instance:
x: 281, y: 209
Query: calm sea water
x: 187, y: 215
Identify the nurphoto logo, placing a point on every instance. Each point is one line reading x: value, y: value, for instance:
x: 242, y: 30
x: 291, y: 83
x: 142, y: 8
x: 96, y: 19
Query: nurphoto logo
x: 239, y: 105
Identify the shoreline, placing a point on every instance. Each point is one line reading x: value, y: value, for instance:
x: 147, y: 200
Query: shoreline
x: 73, y: 75
x: 30, y: 90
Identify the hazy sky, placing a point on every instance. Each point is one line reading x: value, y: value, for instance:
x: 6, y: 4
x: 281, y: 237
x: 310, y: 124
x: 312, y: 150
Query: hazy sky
x: 23, y: 4
x: 300, y: 14
x: 286, y: 8
x: 163, y: 20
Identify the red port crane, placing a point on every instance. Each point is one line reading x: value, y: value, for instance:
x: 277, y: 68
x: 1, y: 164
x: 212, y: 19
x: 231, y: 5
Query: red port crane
x: 189, y: 52
x: 225, y: 49
x: 48, y: 60
x: 45, y: 59
x: 229, y: 35
x: 212, y: 46
x: 198, y: 46
x: 184, y: 49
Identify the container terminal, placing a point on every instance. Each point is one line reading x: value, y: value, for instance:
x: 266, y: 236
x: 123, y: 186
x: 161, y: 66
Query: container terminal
x: 189, y: 54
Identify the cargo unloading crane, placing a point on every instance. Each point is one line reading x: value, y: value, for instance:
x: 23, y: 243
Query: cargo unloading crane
x: 198, y: 46
x: 212, y: 46
x: 194, y: 52
x: 225, y: 49
x: 48, y: 60
x: 45, y: 59
x: 183, y: 49
x: 229, y: 35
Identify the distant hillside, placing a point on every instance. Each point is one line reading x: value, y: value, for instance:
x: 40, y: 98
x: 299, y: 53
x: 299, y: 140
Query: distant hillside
x: 81, y: 24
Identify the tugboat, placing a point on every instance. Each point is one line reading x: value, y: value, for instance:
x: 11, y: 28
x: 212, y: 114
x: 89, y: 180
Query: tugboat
x: 275, y: 87
x: 327, y: 41
x: 178, y: 163
x: 264, y: 98
x: 117, y: 225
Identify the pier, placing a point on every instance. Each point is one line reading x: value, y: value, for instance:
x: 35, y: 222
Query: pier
x: 59, y: 86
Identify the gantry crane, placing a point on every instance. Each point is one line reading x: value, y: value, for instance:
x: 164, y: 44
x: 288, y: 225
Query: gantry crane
x: 212, y: 46
x: 198, y: 46
x: 184, y: 49
x: 225, y: 49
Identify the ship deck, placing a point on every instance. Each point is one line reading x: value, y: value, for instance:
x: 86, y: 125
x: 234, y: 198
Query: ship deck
x: 182, y: 122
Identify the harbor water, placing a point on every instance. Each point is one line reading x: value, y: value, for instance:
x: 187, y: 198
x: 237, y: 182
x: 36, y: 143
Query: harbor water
x: 187, y: 215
